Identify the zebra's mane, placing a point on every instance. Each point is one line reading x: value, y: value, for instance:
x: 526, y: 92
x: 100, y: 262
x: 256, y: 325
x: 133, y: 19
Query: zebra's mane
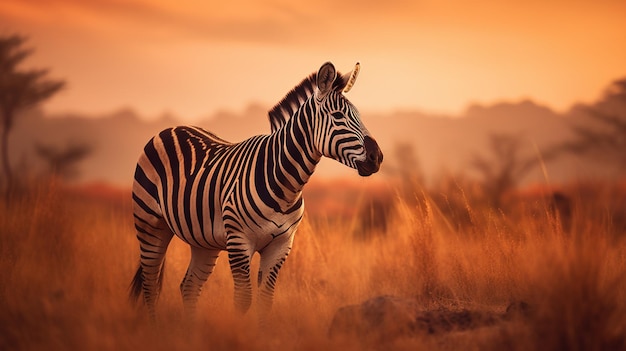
x: 280, y: 114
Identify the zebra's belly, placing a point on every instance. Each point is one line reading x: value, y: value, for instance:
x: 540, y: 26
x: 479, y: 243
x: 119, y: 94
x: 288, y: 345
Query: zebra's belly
x: 205, y: 232
x: 210, y: 241
x: 210, y: 232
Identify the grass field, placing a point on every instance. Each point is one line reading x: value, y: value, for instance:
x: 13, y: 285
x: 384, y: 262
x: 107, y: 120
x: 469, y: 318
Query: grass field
x: 67, y: 257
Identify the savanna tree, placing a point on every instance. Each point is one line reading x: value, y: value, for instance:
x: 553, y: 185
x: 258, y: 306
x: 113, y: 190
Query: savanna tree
x: 604, y: 134
x: 63, y: 161
x: 20, y: 89
x: 504, y: 168
x: 405, y: 167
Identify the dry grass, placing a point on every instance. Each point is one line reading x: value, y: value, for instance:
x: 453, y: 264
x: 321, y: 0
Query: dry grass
x: 66, y: 260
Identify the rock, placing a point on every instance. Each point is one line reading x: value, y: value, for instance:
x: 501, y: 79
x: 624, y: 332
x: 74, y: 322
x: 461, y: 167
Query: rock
x: 518, y: 309
x: 389, y: 317
x: 445, y: 320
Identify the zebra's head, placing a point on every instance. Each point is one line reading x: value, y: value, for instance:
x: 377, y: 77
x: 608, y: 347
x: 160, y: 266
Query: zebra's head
x: 340, y: 133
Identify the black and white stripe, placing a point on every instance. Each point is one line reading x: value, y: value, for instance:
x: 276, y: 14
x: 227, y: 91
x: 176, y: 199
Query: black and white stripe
x: 242, y: 197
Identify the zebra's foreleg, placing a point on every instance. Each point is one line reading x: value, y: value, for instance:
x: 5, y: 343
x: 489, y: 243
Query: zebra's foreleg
x: 199, y: 270
x: 272, y: 258
x: 239, y: 258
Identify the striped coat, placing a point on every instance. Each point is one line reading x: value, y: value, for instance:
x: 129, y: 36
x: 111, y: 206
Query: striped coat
x: 242, y: 197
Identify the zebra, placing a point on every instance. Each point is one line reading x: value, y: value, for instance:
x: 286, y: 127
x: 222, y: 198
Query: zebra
x: 242, y: 197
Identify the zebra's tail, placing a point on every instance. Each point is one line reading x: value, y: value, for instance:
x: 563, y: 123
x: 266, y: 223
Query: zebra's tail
x: 136, y: 285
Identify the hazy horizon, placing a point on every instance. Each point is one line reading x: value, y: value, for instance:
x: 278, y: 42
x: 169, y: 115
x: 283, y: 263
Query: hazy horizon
x: 264, y: 107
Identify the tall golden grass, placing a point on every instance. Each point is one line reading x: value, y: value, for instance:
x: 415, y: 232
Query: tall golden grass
x: 67, y: 258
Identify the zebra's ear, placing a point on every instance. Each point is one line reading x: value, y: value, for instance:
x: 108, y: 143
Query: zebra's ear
x: 350, y: 78
x: 325, y: 79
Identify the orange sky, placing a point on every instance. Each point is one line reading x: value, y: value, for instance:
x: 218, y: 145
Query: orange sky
x: 193, y: 57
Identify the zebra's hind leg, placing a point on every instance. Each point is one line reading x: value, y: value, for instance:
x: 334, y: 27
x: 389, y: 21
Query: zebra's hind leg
x: 239, y: 258
x: 153, y: 242
x: 199, y: 270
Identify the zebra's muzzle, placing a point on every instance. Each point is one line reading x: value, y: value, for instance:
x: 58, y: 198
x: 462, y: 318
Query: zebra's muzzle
x: 373, y: 158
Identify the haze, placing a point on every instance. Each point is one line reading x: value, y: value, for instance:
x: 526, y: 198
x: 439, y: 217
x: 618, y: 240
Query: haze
x: 193, y: 58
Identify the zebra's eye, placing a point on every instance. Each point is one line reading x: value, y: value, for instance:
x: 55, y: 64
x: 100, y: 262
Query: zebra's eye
x: 337, y: 116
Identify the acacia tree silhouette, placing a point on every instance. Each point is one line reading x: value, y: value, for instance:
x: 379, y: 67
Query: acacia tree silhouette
x: 62, y: 161
x: 20, y: 89
x: 604, y: 134
x: 405, y: 166
x: 504, y: 168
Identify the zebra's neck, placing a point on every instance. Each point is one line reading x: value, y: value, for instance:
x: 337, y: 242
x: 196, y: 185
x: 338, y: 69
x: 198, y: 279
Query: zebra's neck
x: 294, y: 152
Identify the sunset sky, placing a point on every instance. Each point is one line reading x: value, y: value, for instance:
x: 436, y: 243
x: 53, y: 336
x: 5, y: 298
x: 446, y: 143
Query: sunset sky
x: 192, y: 58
